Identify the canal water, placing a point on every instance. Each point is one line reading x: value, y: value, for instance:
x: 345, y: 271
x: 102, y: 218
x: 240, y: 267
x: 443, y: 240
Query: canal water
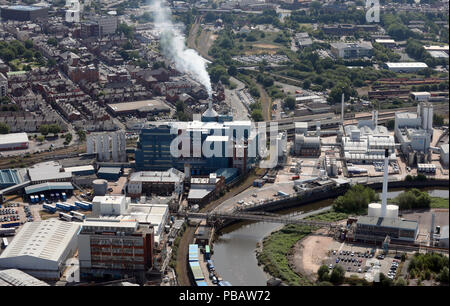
x: 234, y: 251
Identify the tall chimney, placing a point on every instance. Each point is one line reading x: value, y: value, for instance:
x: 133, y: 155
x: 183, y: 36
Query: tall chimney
x: 342, y: 107
x: 385, y: 184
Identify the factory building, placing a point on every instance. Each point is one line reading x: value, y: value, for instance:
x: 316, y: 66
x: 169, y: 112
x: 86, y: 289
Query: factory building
x: 229, y: 143
x: 114, y: 249
x: 155, y: 182
x: 24, y: 12
x: 120, y: 208
x: 307, y: 145
x: 109, y: 173
x: 14, y: 141
x: 367, y: 141
x: 406, y: 67
x: 10, y: 177
x: 351, y: 50
x: 51, y: 171
x: 41, y: 248
x: 382, y: 220
x: 444, y: 154
x: 422, y: 96
x: 14, y: 277
x: 414, y: 131
x: 203, y: 189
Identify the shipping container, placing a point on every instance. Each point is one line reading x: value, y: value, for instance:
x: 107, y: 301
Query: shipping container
x: 196, y: 271
x: 4, y: 243
x: 77, y: 215
x: 63, y: 206
x: 7, y: 231
x: 201, y: 283
x: 49, y: 208
x: 65, y: 216
x: 10, y: 224
x: 83, y: 205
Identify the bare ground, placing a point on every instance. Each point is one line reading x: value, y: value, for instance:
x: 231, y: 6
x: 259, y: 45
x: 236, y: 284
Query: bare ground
x: 308, y: 254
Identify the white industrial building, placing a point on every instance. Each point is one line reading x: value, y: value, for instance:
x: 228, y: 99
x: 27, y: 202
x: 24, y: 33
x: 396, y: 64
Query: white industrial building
x: 13, y: 141
x: 120, y: 208
x: 444, y: 154
x: 367, y: 142
x: 414, y: 131
x: 406, y: 67
x: 14, y: 277
x: 422, y: 96
x: 156, y: 182
x: 41, y: 248
x: 50, y: 171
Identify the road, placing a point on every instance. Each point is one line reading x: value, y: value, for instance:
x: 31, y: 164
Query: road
x: 240, y: 111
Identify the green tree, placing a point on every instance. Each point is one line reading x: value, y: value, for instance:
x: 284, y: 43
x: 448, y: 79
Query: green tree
x: 44, y: 129
x: 355, y: 200
x: 289, y: 102
x: 40, y: 138
x: 257, y: 115
x: 54, y: 129
x: 81, y: 134
x: 443, y: 276
x: 337, y: 275
x: 400, y: 282
x: 323, y: 273
x: 4, y: 128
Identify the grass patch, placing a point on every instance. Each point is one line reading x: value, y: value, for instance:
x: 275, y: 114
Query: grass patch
x: 437, y: 202
x: 277, y: 246
x: 329, y: 216
x: 275, y: 250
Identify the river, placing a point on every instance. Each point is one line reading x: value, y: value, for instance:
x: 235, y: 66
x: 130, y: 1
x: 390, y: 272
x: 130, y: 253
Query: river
x: 234, y: 251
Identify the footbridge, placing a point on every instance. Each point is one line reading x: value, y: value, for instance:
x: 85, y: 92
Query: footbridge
x: 261, y: 217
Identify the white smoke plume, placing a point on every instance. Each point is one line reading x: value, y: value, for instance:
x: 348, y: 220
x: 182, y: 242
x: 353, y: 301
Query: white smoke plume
x: 174, y: 47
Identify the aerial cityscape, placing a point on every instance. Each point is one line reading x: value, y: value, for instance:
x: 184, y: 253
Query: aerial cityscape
x: 213, y: 143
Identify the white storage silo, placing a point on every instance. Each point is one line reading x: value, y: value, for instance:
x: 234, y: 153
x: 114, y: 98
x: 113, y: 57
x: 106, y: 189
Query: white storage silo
x: 424, y: 117
x: 100, y: 187
x: 106, y: 154
x: 123, y: 146
x: 99, y: 147
x: 430, y: 117
x: 115, y: 147
x: 90, y: 144
x: 392, y: 211
x: 374, y: 210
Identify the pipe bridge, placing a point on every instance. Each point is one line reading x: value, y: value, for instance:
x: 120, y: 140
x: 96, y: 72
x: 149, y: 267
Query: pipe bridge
x: 265, y: 217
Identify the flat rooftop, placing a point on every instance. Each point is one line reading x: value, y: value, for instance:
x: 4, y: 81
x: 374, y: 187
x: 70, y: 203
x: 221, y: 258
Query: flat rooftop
x: 388, y: 222
x: 13, y: 138
x: 142, y: 106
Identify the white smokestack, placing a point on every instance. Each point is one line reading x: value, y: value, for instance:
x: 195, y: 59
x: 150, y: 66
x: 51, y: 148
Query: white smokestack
x: 342, y: 109
x: 174, y: 48
x: 385, y: 184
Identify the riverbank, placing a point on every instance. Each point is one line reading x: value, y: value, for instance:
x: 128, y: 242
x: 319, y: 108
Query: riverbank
x: 278, y: 250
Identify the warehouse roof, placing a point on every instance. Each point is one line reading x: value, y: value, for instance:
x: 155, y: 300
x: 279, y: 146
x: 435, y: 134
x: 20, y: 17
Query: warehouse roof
x: 407, y: 65
x: 170, y: 176
x: 142, y: 106
x: 6, y: 139
x: 47, y: 171
x: 14, y: 277
x: 388, y: 222
x: 48, y: 186
x: 109, y: 170
x: 199, y: 193
x: 79, y: 168
x: 46, y: 239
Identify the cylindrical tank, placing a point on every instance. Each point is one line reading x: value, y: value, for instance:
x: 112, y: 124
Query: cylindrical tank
x: 374, y: 210
x: 430, y: 117
x: 90, y: 144
x: 424, y: 118
x: 100, y: 187
x: 391, y: 211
